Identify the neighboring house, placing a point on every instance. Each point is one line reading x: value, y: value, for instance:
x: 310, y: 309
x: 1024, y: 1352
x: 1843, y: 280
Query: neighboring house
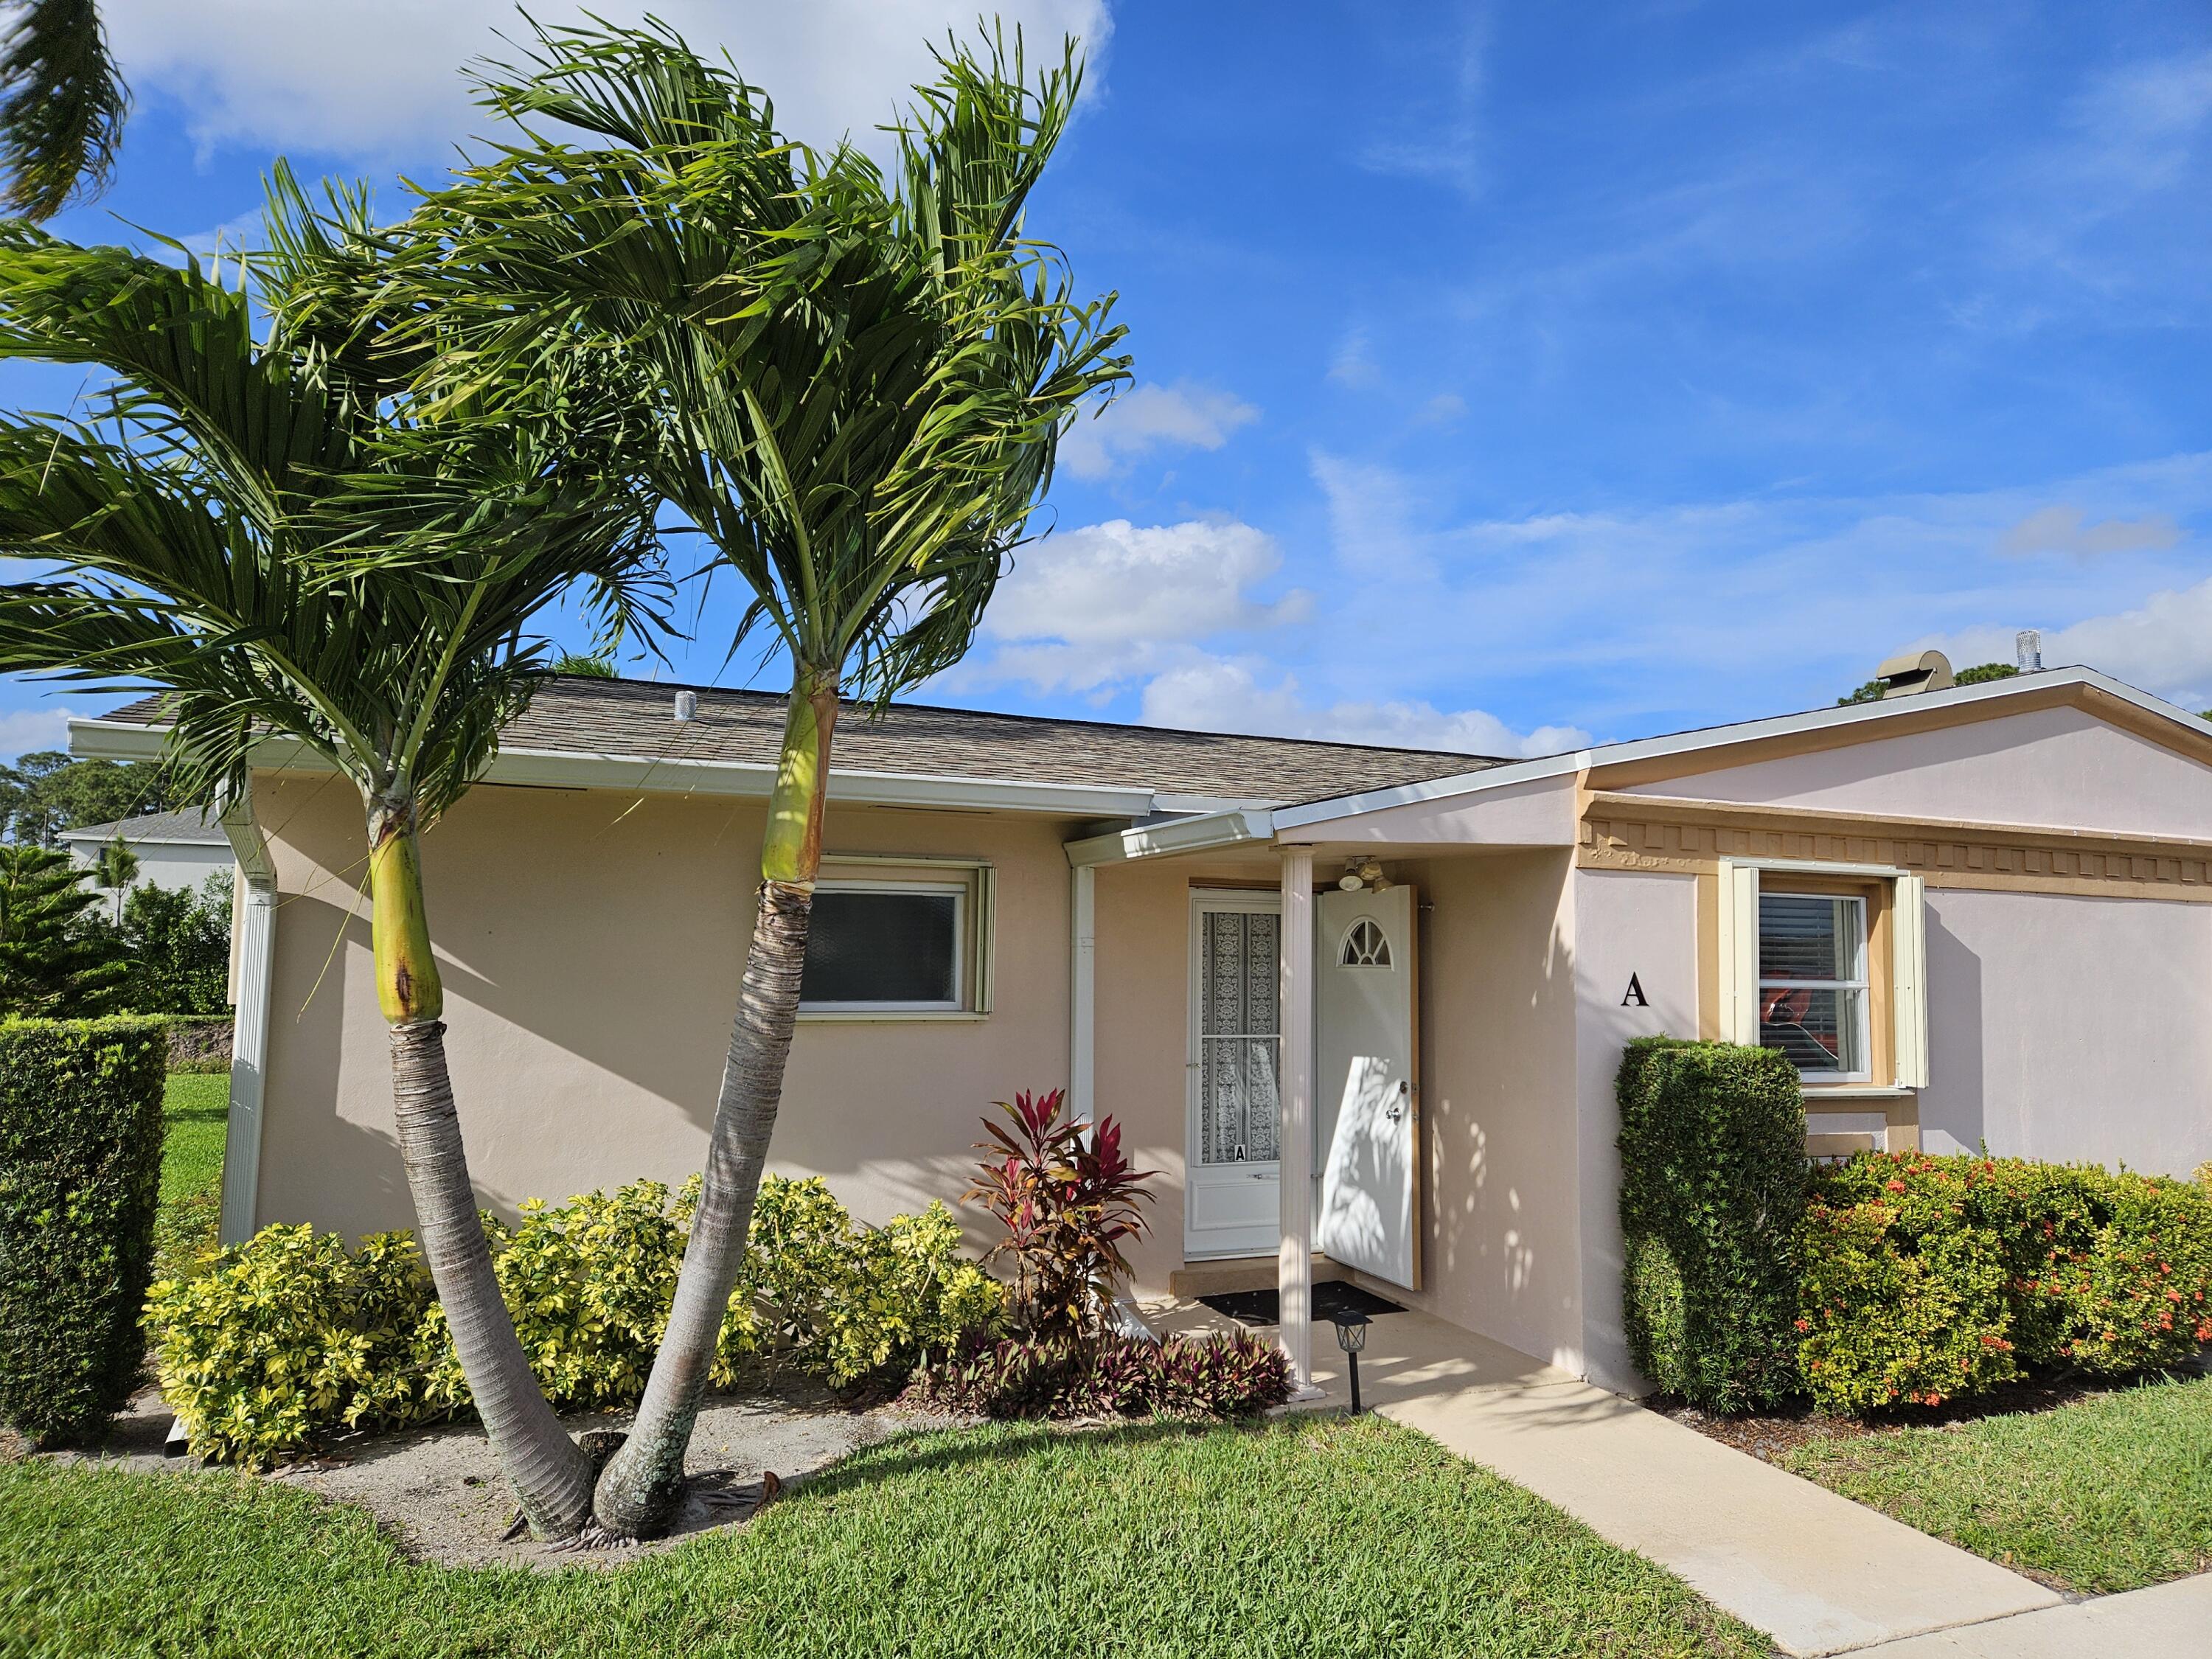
x: 1367, y: 999
x: 174, y: 850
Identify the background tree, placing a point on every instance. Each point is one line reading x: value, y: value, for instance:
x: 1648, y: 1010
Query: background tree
x: 1871, y: 691
x: 46, y: 792
x: 582, y: 663
x: 176, y: 945
x: 281, y: 537
x: 52, y: 966
x: 114, y: 869
x: 61, y: 106
x: 860, y: 385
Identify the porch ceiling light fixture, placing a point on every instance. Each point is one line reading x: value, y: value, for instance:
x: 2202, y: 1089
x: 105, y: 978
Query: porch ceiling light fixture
x: 1350, y: 1336
x: 1368, y: 872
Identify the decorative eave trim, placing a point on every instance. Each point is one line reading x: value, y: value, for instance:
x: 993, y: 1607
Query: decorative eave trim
x: 1663, y: 833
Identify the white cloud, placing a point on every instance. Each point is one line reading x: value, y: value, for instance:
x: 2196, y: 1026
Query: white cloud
x: 378, y: 78
x: 2062, y: 528
x: 23, y: 730
x: 1083, y: 608
x: 1353, y: 364
x: 1184, y: 415
x: 1221, y: 694
x: 2163, y: 645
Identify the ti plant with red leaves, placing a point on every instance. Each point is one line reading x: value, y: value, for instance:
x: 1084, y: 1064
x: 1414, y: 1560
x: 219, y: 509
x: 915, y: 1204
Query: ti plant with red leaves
x: 1068, y: 1196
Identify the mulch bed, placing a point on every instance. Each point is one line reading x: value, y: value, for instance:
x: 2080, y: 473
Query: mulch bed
x: 1767, y: 1434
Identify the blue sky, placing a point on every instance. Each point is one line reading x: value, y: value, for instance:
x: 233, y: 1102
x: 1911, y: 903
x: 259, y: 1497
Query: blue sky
x: 1507, y: 376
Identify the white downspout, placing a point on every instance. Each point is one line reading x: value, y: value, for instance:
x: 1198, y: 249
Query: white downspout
x: 1294, y: 1135
x: 255, y: 894
x: 1082, y: 989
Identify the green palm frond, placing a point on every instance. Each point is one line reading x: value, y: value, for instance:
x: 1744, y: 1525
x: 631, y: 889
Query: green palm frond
x: 283, y: 547
x: 61, y: 106
x: 860, y: 388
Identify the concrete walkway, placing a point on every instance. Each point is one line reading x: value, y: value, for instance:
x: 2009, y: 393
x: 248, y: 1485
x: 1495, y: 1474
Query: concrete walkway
x: 1820, y: 1574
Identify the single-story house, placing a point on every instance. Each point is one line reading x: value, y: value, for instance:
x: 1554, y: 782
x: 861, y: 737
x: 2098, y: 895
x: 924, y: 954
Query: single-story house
x: 1355, y: 1003
x: 174, y: 850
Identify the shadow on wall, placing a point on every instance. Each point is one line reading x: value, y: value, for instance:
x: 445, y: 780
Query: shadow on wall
x: 1953, y: 1107
x: 1497, y: 1021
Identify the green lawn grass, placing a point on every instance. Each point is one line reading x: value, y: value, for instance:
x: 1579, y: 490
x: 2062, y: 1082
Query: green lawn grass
x: 2107, y: 1494
x: 194, y: 1113
x: 1307, y: 1537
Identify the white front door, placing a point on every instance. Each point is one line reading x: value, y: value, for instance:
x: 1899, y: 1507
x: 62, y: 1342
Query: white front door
x: 1232, y: 1206
x: 1366, y: 1090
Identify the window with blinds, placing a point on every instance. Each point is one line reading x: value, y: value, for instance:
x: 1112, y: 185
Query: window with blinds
x: 1813, y: 985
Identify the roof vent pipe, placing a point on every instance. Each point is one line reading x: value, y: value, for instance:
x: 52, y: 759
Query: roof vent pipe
x: 2028, y: 650
x: 687, y: 704
x: 1916, y: 671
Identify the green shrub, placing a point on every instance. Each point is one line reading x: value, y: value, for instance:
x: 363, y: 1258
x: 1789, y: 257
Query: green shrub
x: 1712, y: 1183
x: 80, y: 1178
x: 288, y: 1337
x: 1928, y: 1278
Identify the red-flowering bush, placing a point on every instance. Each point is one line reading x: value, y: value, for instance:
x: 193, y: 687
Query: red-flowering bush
x: 1929, y: 1278
x: 1081, y: 1376
x: 1067, y: 1196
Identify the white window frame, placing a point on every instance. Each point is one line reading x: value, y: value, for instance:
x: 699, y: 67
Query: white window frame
x: 1862, y: 951
x: 1738, y: 988
x: 974, y: 924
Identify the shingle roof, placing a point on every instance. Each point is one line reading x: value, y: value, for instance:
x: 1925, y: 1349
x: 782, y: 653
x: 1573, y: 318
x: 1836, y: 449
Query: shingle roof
x: 190, y: 825
x: 636, y: 718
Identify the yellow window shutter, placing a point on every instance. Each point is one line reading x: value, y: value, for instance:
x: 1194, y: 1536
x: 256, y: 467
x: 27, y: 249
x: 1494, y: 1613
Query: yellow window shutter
x: 1739, y: 952
x: 1909, y: 980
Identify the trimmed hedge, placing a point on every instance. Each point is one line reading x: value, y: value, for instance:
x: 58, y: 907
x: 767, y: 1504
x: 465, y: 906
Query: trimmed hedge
x: 1712, y: 1188
x: 80, y: 1179
x: 1927, y: 1279
x: 289, y: 1337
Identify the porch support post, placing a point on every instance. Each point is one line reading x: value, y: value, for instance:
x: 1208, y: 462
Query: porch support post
x: 1082, y: 989
x: 1294, y: 1137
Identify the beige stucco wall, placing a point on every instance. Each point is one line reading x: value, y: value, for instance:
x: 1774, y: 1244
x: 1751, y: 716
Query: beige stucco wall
x: 1499, y: 1212
x: 590, y: 943
x: 2069, y: 1029
x: 2061, y: 767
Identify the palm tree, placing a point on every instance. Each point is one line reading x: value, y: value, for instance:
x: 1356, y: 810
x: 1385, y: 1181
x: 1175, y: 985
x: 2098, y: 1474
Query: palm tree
x: 276, y: 534
x: 61, y: 106
x: 861, y: 385
x: 115, y: 869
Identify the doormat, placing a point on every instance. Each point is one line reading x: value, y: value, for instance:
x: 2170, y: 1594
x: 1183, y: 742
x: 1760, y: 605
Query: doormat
x: 1331, y: 1296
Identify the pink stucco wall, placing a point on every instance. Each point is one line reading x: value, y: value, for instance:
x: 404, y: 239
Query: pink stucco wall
x: 2069, y: 1029
x: 2058, y: 767
x: 1626, y: 925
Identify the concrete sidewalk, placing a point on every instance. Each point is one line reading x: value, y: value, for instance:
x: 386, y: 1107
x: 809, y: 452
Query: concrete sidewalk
x: 1820, y: 1574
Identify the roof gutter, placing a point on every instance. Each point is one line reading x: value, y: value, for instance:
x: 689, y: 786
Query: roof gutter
x: 1205, y: 833
x: 556, y: 768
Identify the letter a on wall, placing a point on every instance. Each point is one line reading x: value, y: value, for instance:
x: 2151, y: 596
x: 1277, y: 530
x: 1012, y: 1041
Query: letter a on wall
x: 1634, y: 996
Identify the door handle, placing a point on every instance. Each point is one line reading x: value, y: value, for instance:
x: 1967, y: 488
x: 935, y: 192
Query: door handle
x: 1396, y: 1109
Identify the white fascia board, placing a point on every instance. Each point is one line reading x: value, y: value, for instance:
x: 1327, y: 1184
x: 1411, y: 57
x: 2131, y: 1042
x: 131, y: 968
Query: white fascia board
x: 1721, y: 736
x: 1201, y: 834
x: 144, y: 841
x: 95, y: 739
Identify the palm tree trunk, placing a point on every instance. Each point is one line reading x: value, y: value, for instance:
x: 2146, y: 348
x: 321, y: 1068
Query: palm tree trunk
x: 638, y: 1490
x: 550, y: 1474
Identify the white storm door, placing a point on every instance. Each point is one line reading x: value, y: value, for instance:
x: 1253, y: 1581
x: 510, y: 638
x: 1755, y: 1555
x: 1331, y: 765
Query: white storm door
x: 1366, y: 1094
x: 1232, y: 1204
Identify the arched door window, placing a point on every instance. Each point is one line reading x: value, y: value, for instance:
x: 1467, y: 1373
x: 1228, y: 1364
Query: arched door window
x: 1364, y: 946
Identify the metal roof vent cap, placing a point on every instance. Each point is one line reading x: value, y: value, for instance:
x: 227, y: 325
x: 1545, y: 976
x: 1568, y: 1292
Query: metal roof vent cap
x: 687, y: 705
x: 1914, y: 671
x: 2028, y: 650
